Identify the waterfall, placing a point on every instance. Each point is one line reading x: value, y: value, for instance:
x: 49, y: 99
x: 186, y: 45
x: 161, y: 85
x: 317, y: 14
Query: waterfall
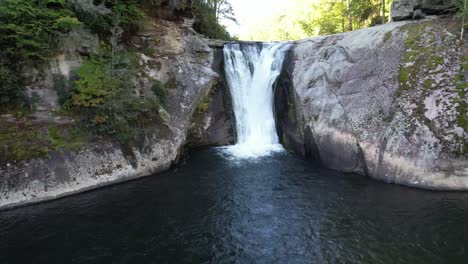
x: 251, y: 70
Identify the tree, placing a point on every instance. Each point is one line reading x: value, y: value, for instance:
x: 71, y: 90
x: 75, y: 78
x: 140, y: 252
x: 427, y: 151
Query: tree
x: 384, y: 20
x: 207, y: 18
x: 223, y: 9
x: 220, y: 8
x: 462, y: 12
x: 323, y: 17
x: 348, y: 13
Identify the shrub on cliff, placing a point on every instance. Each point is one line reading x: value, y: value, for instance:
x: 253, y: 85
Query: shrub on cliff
x: 207, y: 23
x: 105, y: 100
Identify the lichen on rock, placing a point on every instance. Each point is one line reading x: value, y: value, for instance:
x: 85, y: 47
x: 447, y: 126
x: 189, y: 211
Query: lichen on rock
x: 384, y: 102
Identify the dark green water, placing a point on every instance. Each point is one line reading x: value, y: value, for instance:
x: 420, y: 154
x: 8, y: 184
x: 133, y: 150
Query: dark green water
x: 278, y: 209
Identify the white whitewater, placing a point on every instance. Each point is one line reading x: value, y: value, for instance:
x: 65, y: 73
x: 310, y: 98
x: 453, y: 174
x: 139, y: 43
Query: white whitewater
x: 251, y: 70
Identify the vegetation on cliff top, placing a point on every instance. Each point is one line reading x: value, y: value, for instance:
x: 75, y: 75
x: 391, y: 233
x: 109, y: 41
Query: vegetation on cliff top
x: 28, y: 29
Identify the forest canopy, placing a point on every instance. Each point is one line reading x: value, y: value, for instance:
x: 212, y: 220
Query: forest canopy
x: 305, y: 18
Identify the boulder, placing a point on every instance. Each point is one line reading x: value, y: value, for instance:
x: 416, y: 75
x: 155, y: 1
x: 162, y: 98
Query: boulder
x: 383, y: 102
x: 401, y: 10
x: 418, y: 14
x: 405, y: 9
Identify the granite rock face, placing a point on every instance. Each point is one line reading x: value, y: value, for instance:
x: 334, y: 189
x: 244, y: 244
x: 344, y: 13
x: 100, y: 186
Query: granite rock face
x: 213, y: 123
x: 388, y: 102
x: 406, y: 9
x: 172, y: 53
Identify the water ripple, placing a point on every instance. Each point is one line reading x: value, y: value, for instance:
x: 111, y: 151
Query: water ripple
x: 274, y: 209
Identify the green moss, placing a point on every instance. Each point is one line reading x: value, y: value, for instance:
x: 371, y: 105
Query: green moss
x: 387, y: 36
x: 404, y: 78
x: 419, y: 58
x: 171, y: 83
x: 156, y: 40
x: 206, y: 100
x: 429, y: 84
x: 65, y: 138
x: 404, y: 75
x: 462, y: 91
x: 462, y: 120
x: 409, y: 56
x: 22, y: 142
x: 433, y: 62
x: 438, y: 60
x: 204, y: 104
x: 159, y: 90
x: 286, y: 143
x: 464, y: 62
x: 105, y: 101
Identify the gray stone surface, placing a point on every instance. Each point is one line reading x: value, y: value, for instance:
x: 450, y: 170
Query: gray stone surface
x: 401, y: 10
x: 374, y: 103
x: 405, y: 9
x: 418, y: 14
x: 213, y: 126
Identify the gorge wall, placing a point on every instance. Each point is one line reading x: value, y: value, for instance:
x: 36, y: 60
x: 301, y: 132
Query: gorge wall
x: 389, y: 102
x: 173, y: 54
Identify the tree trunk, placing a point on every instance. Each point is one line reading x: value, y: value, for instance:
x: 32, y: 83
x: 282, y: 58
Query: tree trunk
x: 384, y: 20
x: 342, y: 16
x: 350, y: 19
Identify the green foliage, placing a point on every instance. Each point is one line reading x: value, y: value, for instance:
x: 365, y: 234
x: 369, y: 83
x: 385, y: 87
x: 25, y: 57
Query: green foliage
x: 419, y: 58
x: 463, y: 12
x: 462, y: 90
x: 305, y: 18
x: 204, y: 104
x: 10, y: 88
x: 27, y: 26
x: 159, y: 90
x: 96, y: 85
x: 25, y: 141
x: 65, y: 138
x: 174, y: 4
x: 25, y: 29
x: 65, y: 24
x: 104, y: 97
x: 102, y: 15
x: 127, y: 13
x: 22, y: 142
x: 207, y: 23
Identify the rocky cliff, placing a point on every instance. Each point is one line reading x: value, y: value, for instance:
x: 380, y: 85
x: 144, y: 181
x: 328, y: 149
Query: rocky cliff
x: 389, y: 102
x: 171, y: 53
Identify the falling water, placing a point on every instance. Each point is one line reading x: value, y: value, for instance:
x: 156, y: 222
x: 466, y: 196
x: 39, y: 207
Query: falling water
x: 251, y: 70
